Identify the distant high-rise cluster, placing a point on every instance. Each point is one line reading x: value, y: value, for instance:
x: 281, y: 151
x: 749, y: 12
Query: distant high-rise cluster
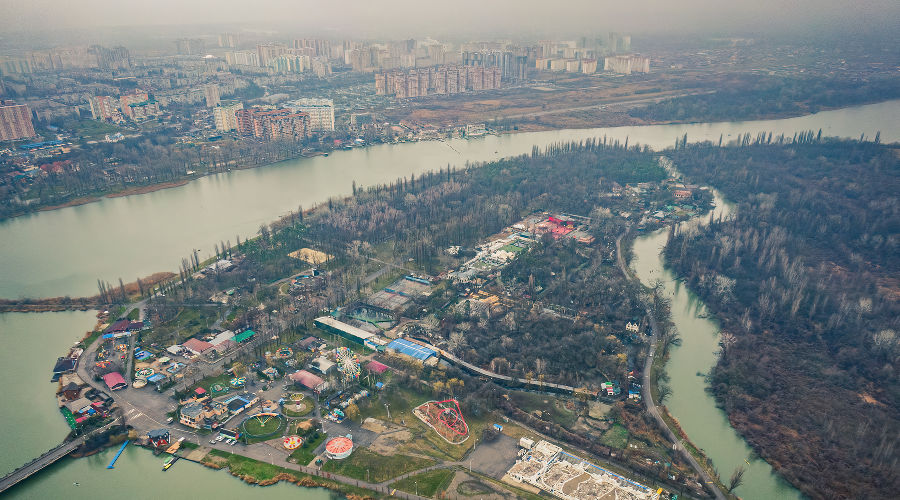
x: 228, y: 40
x: 437, y: 80
x: 189, y: 46
x: 512, y: 60
x: 61, y: 58
x: 15, y: 121
x: 282, y: 59
x: 272, y: 124
x: 609, y: 53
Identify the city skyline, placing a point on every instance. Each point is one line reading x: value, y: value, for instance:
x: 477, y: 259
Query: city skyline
x: 500, y: 18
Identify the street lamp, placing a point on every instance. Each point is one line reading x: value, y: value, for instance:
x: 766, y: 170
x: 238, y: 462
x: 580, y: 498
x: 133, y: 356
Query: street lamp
x: 417, y: 487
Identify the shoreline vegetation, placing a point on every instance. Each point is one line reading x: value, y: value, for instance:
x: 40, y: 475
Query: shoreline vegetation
x: 54, y: 304
x: 635, y: 120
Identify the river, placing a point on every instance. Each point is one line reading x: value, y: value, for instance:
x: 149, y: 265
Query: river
x: 696, y: 410
x: 64, y: 251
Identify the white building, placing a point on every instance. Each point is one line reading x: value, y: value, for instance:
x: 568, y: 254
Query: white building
x: 627, y: 65
x: 242, y: 58
x: 224, y: 116
x: 320, y: 111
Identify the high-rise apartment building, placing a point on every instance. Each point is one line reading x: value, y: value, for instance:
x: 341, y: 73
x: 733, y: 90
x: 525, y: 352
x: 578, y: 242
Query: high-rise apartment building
x: 242, y: 58
x: 269, y: 52
x: 228, y: 40
x: 224, y: 116
x: 437, y: 80
x: 320, y: 111
x: 15, y: 121
x: 135, y: 97
x: 272, y: 124
x: 211, y: 92
x: 627, y: 65
x: 114, y: 58
x: 104, y: 107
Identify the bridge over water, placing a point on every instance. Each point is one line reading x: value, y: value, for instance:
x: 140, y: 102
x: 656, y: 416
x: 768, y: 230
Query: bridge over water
x: 47, y: 458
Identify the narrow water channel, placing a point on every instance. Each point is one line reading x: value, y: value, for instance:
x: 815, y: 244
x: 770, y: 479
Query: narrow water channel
x: 695, y: 409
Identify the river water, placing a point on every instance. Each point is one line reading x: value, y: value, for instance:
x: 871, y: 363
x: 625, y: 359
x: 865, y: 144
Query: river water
x: 63, y: 252
x: 696, y: 410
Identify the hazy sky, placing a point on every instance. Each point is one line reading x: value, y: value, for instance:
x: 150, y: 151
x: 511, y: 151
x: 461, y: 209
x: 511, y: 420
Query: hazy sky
x: 399, y: 18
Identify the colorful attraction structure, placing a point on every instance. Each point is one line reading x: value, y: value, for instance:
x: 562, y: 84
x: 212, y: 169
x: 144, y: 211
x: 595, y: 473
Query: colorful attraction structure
x: 292, y: 442
x: 348, y: 364
x: 445, y: 418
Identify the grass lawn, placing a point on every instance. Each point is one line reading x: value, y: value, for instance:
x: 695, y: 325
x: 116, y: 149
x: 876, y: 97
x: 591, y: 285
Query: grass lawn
x: 304, y: 454
x: 92, y: 128
x: 306, y: 408
x: 134, y: 314
x: 426, y: 484
x: 380, y: 467
x: 261, y: 471
x: 263, y: 425
x: 529, y: 402
x: 211, y: 381
x: 615, y: 437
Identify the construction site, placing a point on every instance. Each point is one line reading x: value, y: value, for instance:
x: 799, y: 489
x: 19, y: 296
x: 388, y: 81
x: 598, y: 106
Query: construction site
x: 566, y: 476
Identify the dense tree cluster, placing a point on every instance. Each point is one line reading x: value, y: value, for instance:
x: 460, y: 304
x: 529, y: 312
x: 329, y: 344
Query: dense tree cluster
x: 804, y: 279
x: 752, y: 97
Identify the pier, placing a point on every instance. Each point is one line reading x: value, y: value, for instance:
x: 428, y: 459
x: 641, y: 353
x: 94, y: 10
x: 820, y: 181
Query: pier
x: 112, y: 464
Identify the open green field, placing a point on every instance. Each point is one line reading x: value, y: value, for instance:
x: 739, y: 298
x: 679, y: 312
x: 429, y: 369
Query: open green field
x: 615, y: 437
x: 551, y: 405
x: 426, y: 484
x: 92, y: 129
x: 512, y: 248
x: 380, y: 468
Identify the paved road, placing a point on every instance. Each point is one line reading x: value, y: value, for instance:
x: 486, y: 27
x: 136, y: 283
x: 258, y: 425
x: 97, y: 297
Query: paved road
x: 648, y: 396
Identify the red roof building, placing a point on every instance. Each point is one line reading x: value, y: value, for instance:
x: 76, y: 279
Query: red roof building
x: 308, y: 380
x: 197, y: 346
x: 376, y: 367
x: 115, y: 381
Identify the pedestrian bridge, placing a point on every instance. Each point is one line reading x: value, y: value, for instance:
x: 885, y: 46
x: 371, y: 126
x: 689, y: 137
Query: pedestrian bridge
x: 48, y: 458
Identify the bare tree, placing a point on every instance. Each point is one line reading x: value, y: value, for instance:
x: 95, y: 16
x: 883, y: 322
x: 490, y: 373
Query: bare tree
x: 737, y: 478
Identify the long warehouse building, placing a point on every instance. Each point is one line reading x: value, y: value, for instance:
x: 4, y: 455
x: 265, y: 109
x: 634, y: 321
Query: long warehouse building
x: 349, y: 332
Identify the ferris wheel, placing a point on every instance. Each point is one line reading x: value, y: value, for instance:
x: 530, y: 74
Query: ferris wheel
x: 348, y: 364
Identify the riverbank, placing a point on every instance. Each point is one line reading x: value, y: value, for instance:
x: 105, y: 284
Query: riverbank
x: 56, y: 304
x: 255, y: 472
x: 148, y: 189
x: 585, y: 117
